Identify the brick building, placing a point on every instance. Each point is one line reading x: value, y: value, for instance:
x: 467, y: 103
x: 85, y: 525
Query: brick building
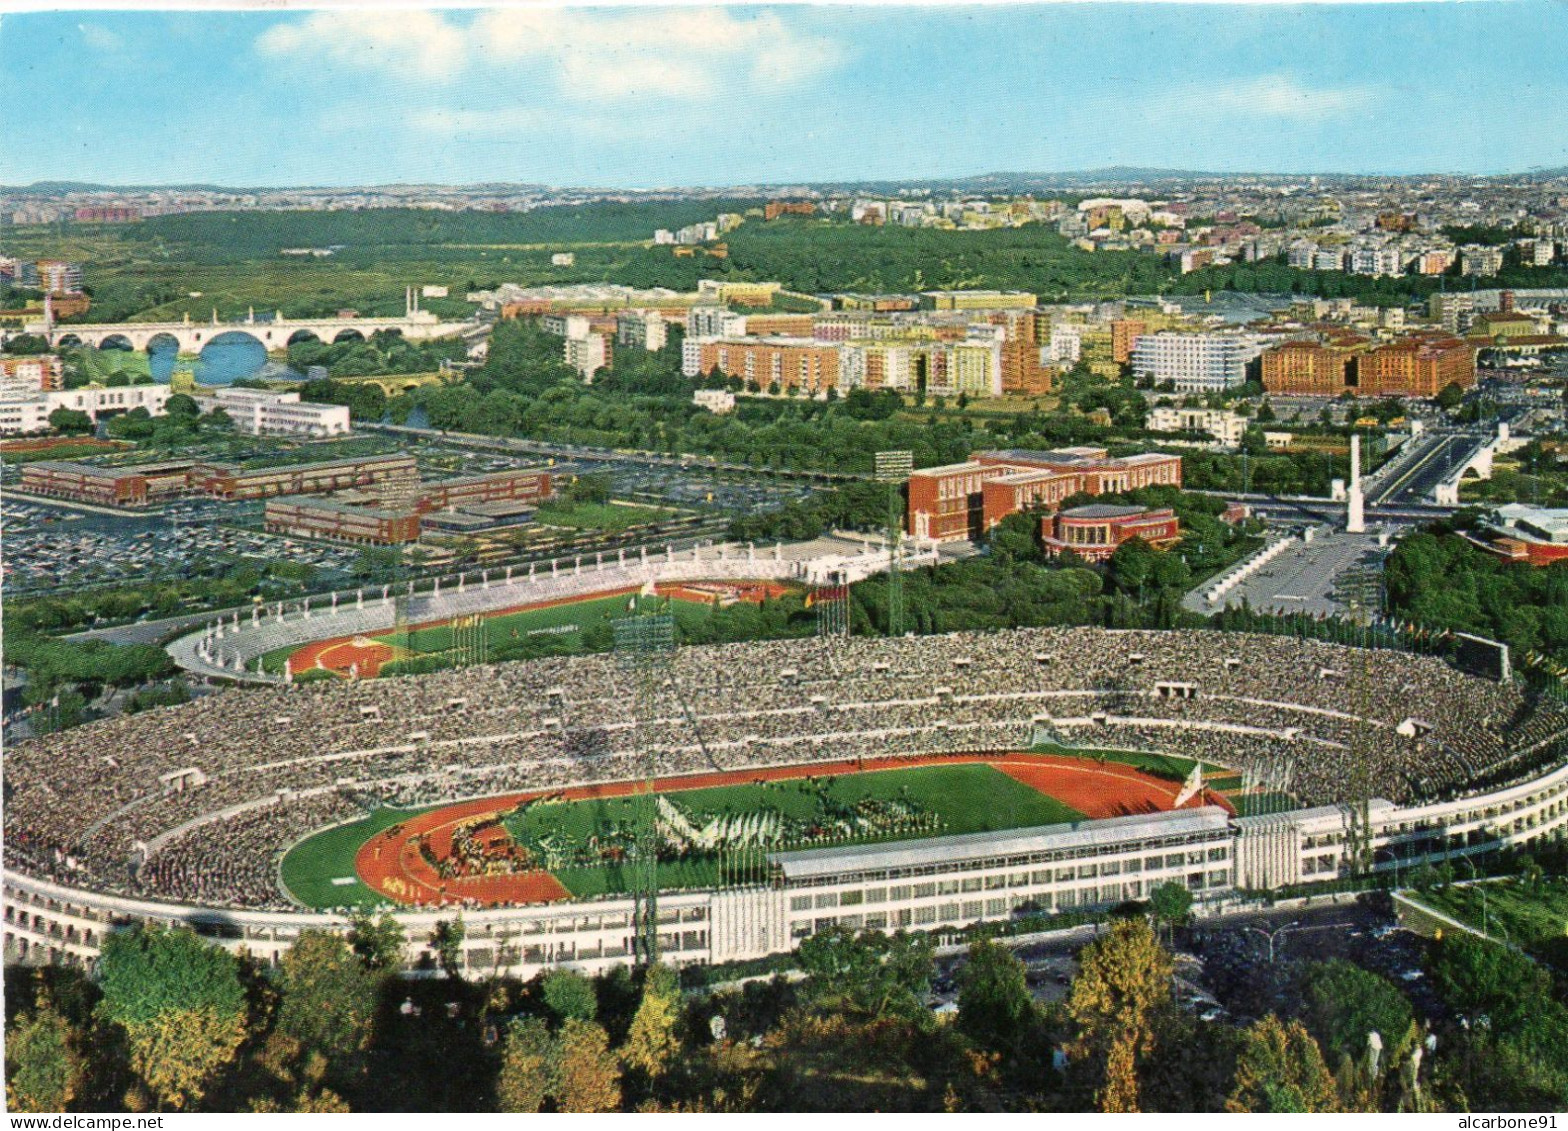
x: 1095, y: 531
x: 965, y: 500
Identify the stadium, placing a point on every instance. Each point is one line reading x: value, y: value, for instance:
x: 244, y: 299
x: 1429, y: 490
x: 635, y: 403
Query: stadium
x: 925, y: 783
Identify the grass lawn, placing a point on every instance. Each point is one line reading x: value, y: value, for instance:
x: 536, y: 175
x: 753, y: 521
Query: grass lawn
x: 597, y: 516
x: 311, y: 865
x: 968, y: 798
x: 1531, y: 917
x: 1167, y: 766
x: 577, y: 615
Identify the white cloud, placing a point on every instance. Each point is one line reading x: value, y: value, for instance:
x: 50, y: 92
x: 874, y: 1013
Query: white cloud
x: 599, y: 55
x: 1267, y: 96
x: 403, y: 41
x: 100, y: 38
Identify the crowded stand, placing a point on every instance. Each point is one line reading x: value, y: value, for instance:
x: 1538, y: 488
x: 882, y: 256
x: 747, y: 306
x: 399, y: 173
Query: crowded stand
x: 196, y: 802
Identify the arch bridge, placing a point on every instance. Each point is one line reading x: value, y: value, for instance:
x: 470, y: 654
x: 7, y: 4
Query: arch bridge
x: 274, y: 334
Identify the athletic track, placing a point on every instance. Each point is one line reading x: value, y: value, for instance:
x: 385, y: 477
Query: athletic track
x: 390, y: 864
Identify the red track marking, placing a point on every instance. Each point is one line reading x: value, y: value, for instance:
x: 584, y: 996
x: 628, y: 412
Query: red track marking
x: 308, y: 657
x: 391, y: 865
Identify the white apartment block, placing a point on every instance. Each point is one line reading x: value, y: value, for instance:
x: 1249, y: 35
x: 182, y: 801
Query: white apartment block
x: 29, y: 412
x: 261, y: 413
x: 714, y: 322
x: 587, y: 355
x: 1226, y: 427
x: 24, y: 416
x: 645, y: 329
x: 1482, y: 262
x: 1194, y: 363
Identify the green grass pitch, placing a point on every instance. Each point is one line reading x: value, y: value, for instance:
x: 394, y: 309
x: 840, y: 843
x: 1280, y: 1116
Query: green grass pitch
x: 576, y: 615
x: 969, y: 798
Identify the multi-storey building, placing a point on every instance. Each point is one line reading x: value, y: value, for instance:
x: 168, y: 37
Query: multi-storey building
x: 644, y: 329
x: 977, y: 300
x: 965, y: 500
x: 34, y: 373
x: 1226, y: 427
x: 769, y: 364
x: 1311, y: 368
x: 1481, y: 262
x: 1194, y: 363
x: 1419, y: 365
x: 261, y: 413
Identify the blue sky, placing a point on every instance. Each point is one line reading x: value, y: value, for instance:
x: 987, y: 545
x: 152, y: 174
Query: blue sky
x: 647, y: 96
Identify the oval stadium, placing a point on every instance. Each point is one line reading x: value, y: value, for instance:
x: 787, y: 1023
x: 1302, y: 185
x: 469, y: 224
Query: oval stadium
x: 924, y: 783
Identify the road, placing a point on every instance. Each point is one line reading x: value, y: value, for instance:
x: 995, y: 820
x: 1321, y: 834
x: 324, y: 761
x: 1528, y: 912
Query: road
x: 1414, y: 478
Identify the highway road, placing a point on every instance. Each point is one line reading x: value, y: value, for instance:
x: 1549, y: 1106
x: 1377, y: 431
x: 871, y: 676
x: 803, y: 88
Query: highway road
x: 1415, y: 477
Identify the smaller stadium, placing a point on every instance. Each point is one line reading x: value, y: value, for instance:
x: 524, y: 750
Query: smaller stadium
x: 716, y: 828
x: 522, y: 630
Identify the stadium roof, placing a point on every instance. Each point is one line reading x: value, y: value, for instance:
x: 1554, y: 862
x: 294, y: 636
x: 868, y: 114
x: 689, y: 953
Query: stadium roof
x: 814, y: 862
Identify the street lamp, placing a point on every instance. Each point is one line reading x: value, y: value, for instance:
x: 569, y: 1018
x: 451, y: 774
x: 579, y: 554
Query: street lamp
x: 1486, y: 920
x: 1272, y: 935
x: 1390, y: 854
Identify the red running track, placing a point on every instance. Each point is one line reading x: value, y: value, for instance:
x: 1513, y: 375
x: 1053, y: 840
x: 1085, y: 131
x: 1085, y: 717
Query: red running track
x: 390, y: 862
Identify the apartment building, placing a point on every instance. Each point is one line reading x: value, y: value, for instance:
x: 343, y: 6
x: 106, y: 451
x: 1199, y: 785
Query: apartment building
x: 261, y: 413
x: 1194, y: 363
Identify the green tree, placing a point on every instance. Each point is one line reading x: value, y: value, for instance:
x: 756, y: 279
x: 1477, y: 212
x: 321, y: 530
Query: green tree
x: 70, y: 422
x: 527, y: 1061
x: 1280, y: 1069
x: 995, y: 1009
x: 43, y: 1070
x: 329, y: 998
x: 1171, y: 903
x: 181, y: 405
x: 1342, y: 1003
x: 569, y: 995
x: 870, y: 972
x: 447, y: 940
x: 378, y: 943
x: 181, y: 1004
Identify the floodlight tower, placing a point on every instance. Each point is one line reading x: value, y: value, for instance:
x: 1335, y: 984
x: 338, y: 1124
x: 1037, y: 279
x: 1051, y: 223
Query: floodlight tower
x: 644, y: 645
x: 894, y: 469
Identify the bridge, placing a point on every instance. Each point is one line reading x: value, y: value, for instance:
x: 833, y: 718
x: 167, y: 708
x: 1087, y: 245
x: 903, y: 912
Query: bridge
x: 275, y: 333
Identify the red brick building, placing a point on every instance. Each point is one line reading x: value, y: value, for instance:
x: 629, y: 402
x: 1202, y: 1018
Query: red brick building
x: 1094, y: 532
x: 965, y: 500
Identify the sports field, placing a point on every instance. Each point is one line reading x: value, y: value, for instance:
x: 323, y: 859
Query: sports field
x: 570, y: 620
x: 576, y: 841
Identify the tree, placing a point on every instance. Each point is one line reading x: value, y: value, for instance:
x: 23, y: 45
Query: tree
x: 1132, y: 566
x: 43, y: 1071
x: 329, y: 998
x: 181, y: 1004
x: 524, y: 1082
x: 1342, y: 1003
x: 652, y: 1042
x: 570, y: 996
x: 1124, y: 981
x: 1280, y: 1069
x: 871, y: 972
x: 995, y: 1009
x: 70, y: 422
x: 587, y: 1075
x: 447, y: 939
x: 1450, y: 396
x: 378, y: 943
x: 1171, y: 903
x: 181, y: 405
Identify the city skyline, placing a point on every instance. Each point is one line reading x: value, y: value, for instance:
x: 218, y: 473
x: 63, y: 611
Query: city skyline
x: 648, y: 97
